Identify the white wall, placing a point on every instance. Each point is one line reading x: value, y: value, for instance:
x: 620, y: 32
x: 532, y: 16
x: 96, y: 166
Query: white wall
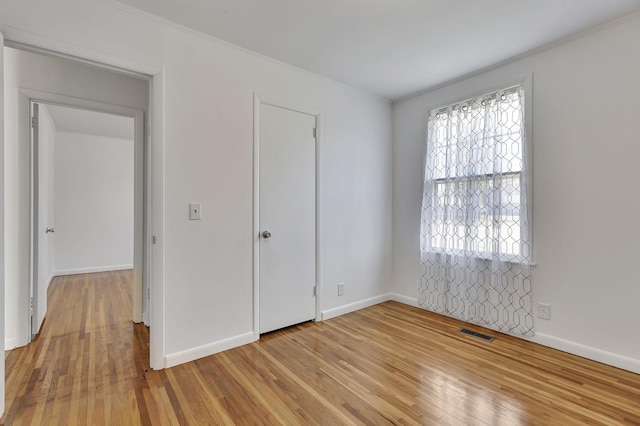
x: 207, y: 137
x: 46, y: 206
x: 585, y: 153
x: 208, y: 157
x: 94, y: 203
x: 27, y: 71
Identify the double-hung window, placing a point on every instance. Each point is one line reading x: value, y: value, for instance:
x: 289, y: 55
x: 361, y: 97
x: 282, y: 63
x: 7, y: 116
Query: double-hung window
x: 474, y: 200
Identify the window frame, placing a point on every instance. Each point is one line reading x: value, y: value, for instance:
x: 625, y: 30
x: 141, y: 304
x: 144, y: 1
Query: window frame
x: 527, y: 84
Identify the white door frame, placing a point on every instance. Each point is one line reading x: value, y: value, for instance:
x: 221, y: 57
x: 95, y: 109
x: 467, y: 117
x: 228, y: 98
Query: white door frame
x: 140, y: 269
x: 259, y: 100
x: 155, y: 264
x: 2, y: 298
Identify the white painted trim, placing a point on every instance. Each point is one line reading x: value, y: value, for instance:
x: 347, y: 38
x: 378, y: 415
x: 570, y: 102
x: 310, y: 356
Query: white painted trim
x: 34, y: 96
x: 26, y: 40
x: 139, y: 219
x: 292, y: 106
x: 155, y: 212
x: 34, y: 240
x: 10, y: 343
x: 157, y: 261
x: 2, y: 284
x: 411, y: 301
x: 91, y: 270
x: 319, y: 227
x: 208, y: 349
x: 256, y: 217
x: 594, y: 354
x: 355, y: 306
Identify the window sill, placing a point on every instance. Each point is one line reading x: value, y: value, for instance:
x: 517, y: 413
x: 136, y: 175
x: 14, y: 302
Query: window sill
x: 506, y: 259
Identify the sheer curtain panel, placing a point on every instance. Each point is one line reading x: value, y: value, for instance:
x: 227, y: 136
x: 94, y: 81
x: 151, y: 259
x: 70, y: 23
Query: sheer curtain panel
x: 475, y: 235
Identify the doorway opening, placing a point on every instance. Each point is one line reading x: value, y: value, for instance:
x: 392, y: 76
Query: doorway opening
x: 83, y: 203
x: 31, y: 78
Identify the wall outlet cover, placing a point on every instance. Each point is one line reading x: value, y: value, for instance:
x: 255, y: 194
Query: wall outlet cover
x: 544, y: 311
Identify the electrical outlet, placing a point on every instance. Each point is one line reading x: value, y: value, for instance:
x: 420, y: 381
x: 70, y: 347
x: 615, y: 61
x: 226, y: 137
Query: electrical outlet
x: 340, y: 289
x: 544, y: 311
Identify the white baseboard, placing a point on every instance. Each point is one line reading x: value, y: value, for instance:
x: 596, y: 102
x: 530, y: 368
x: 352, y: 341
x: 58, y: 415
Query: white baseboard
x: 91, y: 270
x: 411, y: 301
x: 594, y: 354
x: 351, y: 307
x: 615, y: 360
x: 177, y: 358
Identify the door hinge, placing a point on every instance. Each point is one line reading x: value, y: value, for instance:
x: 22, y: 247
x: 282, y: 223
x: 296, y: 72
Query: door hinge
x: 315, y: 133
x: 153, y: 239
x: 31, y: 306
x: 34, y: 122
x: 315, y: 290
x: 148, y: 293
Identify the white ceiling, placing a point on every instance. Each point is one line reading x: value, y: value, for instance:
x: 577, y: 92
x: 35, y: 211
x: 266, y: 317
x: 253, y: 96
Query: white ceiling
x: 389, y: 47
x: 94, y: 123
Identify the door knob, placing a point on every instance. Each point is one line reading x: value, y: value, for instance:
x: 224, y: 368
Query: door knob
x: 266, y: 234
x: 47, y: 230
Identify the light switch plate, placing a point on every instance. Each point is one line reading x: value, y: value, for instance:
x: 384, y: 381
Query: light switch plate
x: 195, y: 211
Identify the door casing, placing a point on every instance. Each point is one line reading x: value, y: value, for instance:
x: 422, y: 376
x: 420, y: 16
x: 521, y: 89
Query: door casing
x: 154, y: 139
x: 259, y: 100
x: 140, y: 204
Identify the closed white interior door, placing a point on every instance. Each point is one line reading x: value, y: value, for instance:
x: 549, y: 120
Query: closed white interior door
x: 287, y: 218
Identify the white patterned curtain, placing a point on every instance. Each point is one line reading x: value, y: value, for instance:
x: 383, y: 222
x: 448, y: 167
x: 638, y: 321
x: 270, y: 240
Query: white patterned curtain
x: 475, y: 236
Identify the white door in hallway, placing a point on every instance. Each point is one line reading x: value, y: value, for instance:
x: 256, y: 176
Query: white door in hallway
x: 41, y: 228
x: 287, y: 166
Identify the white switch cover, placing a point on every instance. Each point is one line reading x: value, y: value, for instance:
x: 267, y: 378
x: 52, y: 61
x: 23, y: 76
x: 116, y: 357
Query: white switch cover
x: 195, y: 211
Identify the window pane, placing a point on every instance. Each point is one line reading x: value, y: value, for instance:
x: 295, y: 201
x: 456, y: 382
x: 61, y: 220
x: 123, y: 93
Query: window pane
x: 480, y: 215
x: 475, y: 162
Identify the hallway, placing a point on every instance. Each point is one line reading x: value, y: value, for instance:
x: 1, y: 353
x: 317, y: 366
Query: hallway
x: 87, y: 361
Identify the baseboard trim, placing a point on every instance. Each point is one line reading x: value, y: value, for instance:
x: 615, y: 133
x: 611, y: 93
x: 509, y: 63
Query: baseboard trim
x: 589, y: 352
x: 178, y: 358
x: 78, y: 271
x: 411, y: 301
x: 351, y: 307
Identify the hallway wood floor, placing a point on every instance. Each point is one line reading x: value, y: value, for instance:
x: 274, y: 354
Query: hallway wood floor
x: 387, y: 364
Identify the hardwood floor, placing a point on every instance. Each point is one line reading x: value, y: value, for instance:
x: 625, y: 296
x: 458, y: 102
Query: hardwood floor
x: 388, y: 364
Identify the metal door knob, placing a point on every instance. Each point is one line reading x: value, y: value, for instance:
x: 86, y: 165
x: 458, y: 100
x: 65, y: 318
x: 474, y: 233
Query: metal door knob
x: 266, y: 234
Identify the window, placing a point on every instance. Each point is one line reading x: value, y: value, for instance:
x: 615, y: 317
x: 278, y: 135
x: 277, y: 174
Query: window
x: 475, y: 178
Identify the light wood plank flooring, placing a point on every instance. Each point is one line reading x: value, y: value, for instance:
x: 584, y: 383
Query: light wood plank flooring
x: 388, y: 364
